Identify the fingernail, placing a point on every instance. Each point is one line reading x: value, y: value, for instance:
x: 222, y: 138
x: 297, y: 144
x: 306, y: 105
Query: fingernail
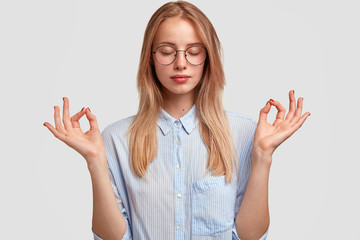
x: 293, y: 91
x: 309, y: 114
x: 271, y: 100
x: 43, y: 124
x: 82, y: 109
x: 89, y: 109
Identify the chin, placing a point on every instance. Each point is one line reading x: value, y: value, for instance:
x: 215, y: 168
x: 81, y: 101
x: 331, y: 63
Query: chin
x: 181, y: 91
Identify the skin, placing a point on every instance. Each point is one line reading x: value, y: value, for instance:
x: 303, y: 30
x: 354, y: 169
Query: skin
x: 178, y: 97
x: 252, y: 219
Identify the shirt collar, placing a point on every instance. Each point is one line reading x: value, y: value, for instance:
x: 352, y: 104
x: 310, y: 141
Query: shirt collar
x: 189, y: 121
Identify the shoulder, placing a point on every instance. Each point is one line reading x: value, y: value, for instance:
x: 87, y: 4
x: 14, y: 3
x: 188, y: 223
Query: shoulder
x: 119, y: 127
x: 238, y: 118
x: 242, y: 127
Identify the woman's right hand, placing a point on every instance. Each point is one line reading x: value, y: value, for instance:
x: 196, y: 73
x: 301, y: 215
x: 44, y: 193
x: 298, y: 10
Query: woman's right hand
x: 90, y: 144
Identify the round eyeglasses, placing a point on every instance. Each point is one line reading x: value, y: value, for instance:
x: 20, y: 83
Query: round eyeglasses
x: 166, y: 55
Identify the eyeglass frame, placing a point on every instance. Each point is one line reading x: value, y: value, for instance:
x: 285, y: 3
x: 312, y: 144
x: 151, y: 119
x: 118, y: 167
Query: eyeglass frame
x: 176, y: 51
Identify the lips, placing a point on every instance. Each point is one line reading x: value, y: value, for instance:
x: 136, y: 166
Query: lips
x: 180, y: 78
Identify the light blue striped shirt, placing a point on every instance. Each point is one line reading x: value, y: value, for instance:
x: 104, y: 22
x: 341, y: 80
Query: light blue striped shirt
x: 179, y: 198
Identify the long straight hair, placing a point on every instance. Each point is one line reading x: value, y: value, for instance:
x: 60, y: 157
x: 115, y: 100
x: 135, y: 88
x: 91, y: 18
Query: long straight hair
x: 213, y: 123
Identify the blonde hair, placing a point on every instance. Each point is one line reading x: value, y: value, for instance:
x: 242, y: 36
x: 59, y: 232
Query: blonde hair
x: 213, y: 122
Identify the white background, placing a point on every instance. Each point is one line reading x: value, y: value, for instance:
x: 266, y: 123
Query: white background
x: 89, y: 51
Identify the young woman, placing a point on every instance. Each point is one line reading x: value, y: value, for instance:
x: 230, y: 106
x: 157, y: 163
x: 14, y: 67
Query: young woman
x: 182, y: 167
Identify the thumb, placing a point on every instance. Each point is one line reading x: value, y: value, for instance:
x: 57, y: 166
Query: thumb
x: 92, y: 119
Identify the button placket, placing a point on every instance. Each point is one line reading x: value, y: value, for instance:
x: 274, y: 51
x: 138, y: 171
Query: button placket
x: 178, y: 184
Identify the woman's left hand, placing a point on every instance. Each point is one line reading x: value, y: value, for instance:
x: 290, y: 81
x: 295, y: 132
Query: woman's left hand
x: 268, y: 137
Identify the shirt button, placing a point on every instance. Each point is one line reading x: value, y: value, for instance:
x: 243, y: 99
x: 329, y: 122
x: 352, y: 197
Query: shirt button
x: 178, y: 123
x: 177, y: 166
x: 177, y: 142
x: 178, y: 227
x: 179, y: 195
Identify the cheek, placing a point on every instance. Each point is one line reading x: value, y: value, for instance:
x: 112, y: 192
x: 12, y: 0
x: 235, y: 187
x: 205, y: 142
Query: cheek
x: 161, y: 70
x: 200, y: 71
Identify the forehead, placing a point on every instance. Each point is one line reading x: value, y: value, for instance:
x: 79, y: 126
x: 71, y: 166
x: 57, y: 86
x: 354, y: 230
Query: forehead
x: 178, y: 31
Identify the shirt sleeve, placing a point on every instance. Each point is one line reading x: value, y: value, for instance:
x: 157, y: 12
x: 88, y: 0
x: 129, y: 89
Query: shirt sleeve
x: 236, y: 237
x: 244, y: 174
x: 113, y: 166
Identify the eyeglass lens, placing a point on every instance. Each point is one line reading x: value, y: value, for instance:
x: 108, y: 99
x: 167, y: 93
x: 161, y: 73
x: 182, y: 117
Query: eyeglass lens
x: 166, y: 55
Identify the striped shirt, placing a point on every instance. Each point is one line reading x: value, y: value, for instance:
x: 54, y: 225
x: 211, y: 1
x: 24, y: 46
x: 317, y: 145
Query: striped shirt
x: 179, y: 198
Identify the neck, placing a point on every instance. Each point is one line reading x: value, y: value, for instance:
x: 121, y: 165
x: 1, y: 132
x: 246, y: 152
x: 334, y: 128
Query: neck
x: 178, y: 105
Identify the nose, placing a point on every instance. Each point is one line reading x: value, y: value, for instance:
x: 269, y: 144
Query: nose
x: 180, y: 61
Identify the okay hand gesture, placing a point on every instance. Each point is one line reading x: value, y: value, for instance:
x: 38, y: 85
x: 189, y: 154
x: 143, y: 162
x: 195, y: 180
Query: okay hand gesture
x: 90, y: 144
x: 269, y: 136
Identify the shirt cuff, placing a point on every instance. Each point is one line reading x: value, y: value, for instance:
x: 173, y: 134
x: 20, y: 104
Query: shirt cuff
x: 236, y: 237
x: 265, y: 235
x: 127, y: 235
x: 96, y: 237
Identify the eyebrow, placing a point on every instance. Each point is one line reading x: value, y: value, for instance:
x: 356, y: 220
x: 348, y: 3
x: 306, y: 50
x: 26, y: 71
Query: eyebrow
x: 170, y: 43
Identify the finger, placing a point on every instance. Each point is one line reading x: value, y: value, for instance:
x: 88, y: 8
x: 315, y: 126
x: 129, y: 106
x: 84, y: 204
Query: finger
x: 58, y: 124
x: 75, y: 119
x: 264, y: 112
x: 292, y: 105
x: 298, y: 110
x: 301, y: 120
x: 92, y: 119
x: 281, y: 111
x: 66, y: 114
x: 56, y: 133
